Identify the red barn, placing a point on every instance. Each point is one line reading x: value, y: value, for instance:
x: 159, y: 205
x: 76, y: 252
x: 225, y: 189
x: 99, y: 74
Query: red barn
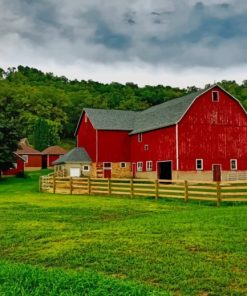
x: 199, y: 136
x: 51, y: 154
x: 18, y: 167
x: 32, y: 157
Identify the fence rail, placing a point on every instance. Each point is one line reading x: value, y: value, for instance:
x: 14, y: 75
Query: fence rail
x: 187, y: 190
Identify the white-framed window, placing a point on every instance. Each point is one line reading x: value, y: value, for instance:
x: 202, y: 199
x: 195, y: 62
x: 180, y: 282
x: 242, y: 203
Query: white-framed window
x: 149, y: 165
x: 107, y: 165
x: 139, y: 137
x: 139, y: 166
x: 146, y: 147
x: 25, y: 157
x: 215, y: 96
x: 199, y: 164
x: 234, y: 164
x: 14, y: 165
x: 122, y: 165
x: 85, y: 168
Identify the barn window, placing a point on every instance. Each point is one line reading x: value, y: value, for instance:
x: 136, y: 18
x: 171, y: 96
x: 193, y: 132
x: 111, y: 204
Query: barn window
x: 215, y: 96
x: 122, y: 165
x: 25, y: 157
x: 85, y: 168
x: 139, y: 166
x: 107, y: 165
x: 149, y: 165
x: 234, y: 164
x: 145, y: 147
x: 85, y: 117
x: 199, y: 164
x: 139, y: 137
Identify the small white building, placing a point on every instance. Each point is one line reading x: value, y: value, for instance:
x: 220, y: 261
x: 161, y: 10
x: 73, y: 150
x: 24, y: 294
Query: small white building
x: 75, y: 163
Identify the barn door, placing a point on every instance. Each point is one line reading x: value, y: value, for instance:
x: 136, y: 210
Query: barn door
x: 44, y: 161
x: 165, y: 170
x: 217, y: 172
x: 107, y: 173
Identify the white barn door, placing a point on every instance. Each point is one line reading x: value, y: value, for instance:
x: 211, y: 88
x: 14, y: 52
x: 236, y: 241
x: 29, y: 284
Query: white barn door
x: 75, y: 172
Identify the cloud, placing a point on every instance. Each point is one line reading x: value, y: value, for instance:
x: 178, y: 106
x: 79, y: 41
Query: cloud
x: 178, y: 35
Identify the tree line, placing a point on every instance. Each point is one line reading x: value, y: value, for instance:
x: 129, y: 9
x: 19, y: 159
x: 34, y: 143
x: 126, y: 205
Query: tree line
x: 32, y: 101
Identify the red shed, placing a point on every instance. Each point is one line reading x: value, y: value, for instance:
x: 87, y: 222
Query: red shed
x: 199, y: 136
x: 18, y: 167
x: 32, y: 157
x: 51, y: 154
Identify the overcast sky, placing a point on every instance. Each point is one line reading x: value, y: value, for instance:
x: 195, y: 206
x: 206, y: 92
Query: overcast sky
x: 170, y: 42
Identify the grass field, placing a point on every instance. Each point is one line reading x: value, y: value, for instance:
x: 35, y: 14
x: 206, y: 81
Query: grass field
x: 81, y: 245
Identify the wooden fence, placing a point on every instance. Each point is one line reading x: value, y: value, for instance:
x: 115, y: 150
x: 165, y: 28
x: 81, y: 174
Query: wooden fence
x: 186, y: 190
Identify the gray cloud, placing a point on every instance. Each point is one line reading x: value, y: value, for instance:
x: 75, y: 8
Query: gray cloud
x: 177, y: 34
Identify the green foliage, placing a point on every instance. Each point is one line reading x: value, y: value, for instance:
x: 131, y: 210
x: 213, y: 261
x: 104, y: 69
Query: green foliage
x: 27, y: 93
x: 122, y: 246
x: 45, y: 134
x: 8, y: 142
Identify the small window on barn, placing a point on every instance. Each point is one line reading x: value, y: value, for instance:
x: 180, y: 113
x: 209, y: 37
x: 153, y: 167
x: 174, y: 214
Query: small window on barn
x: 85, y: 117
x: 199, y: 164
x: 145, y: 147
x: 234, y: 164
x: 215, y: 96
x: 122, y: 165
x: 85, y: 168
x: 149, y: 165
x: 107, y: 165
x: 15, y: 165
x: 139, y: 166
x: 139, y: 137
x: 25, y: 157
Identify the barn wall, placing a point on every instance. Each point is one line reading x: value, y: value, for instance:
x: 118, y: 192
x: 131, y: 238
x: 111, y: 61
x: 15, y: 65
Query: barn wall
x: 113, y: 146
x: 17, y: 170
x: 34, y: 161
x: 213, y: 131
x: 51, y: 158
x: 161, y: 146
x: 86, y: 137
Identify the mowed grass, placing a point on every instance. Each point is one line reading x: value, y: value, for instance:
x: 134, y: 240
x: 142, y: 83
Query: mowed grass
x: 88, y: 245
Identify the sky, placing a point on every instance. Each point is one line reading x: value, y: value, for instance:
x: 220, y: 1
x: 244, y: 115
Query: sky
x: 148, y: 42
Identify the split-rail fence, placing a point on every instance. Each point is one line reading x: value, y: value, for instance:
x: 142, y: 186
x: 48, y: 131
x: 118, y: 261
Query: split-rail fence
x: 186, y: 190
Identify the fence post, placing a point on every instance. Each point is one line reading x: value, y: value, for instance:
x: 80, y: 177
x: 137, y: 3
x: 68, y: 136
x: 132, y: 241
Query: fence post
x: 156, y: 189
x: 218, y: 194
x: 70, y: 185
x: 109, y: 186
x: 89, y: 186
x: 186, y: 191
x: 40, y: 184
x: 54, y: 184
x: 131, y: 188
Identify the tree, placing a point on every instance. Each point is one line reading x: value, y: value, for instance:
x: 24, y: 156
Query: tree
x: 9, y: 139
x: 45, y: 134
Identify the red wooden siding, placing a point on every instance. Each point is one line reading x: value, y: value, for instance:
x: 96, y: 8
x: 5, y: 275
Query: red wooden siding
x: 213, y: 131
x: 51, y: 158
x: 34, y: 161
x: 17, y: 170
x: 113, y: 146
x: 161, y: 146
x: 86, y: 137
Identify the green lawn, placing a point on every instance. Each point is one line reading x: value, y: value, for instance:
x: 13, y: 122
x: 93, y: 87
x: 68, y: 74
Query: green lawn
x: 85, y: 245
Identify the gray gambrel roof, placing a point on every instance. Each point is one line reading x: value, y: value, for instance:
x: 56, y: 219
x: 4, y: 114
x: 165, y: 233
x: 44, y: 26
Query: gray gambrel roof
x: 75, y: 155
x: 159, y: 116
x: 103, y: 119
x: 162, y: 115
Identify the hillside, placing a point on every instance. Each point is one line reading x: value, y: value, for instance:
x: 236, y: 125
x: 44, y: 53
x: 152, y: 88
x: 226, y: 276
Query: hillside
x: 27, y: 94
